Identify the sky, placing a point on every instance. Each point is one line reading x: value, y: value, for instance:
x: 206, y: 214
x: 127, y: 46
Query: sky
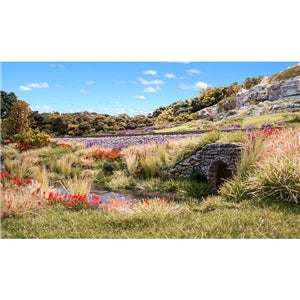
x: 121, y: 87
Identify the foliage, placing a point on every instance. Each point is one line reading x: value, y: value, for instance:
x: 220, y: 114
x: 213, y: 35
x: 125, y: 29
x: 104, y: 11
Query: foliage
x: 103, y: 154
x: 17, y: 119
x: 252, y: 81
x: 7, y: 100
x: 199, y: 176
x: 33, y: 138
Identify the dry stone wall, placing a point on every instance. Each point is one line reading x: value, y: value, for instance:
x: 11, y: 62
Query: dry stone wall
x: 209, y: 160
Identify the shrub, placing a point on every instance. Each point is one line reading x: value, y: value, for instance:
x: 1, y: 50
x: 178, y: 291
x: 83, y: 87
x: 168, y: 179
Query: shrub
x: 33, y: 138
x: 108, y: 167
x: 199, y: 176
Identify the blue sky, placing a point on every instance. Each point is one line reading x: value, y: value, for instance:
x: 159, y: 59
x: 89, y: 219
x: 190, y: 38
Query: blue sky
x: 121, y: 87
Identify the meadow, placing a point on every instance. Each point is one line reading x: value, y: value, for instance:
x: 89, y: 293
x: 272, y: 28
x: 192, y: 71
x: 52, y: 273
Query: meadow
x: 48, y: 192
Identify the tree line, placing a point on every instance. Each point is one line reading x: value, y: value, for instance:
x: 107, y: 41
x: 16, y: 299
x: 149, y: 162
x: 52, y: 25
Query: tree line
x: 17, y: 115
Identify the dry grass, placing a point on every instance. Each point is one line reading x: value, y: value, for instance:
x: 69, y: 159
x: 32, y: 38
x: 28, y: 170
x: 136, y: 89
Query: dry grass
x: 22, y: 199
x: 78, y: 186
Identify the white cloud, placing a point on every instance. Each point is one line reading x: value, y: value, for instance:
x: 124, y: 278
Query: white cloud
x: 59, y: 86
x: 157, y: 88
x: 84, y: 91
x: 169, y: 75
x: 151, y: 82
x: 150, y: 72
x: 44, y: 108
x: 38, y: 85
x: 201, y: 85
x: 24, y: 88
x: 91, y: 82
x: 193, y: 71
x: 150, y: 89
x: 197, y: 86
x: 57, y: 66
x: 140, y: 97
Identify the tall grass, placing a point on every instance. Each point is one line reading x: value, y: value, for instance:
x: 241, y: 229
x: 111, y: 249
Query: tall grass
x: 78, y: 186
x: 269, y: 169
x: 121, y: 180
x: 64, y: 164
x: 22, y: 199
x: 277, y: 179
x: 150, y: 164
x: 40, y: 174
x: 250, y: 155
x: 20, y: 165
x: 132, y: 162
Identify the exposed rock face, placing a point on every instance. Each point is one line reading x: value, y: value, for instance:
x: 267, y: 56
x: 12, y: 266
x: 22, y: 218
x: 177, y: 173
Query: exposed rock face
x: 213, y: 160
x: 261, y: 99
x: 288, y: 89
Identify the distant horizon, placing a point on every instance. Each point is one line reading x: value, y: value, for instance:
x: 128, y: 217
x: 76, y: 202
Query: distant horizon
x: 121, y: 87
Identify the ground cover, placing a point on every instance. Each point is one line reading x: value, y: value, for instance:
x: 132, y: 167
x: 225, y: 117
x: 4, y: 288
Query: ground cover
x: 289, y: 119
x: 261, y: 201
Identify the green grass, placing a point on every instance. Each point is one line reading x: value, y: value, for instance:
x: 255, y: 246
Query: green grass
x: 286, y: 74
x: 291, y: 118
x: 214, y: 218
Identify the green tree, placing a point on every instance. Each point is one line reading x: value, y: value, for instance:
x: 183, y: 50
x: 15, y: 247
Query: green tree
x: 18, y: 118
x: 7, y: 100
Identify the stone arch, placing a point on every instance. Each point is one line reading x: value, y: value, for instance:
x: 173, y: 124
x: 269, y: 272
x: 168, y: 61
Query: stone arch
x: 218, y: 172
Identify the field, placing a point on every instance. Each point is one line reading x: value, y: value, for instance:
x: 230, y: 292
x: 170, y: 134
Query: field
x: 48, y: 192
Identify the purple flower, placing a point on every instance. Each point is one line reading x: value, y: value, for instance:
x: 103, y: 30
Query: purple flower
x: 280, y: 123
x: 236, y: 125
x: 209, y: 118
x: 266, y: 125
x: 249, y: 126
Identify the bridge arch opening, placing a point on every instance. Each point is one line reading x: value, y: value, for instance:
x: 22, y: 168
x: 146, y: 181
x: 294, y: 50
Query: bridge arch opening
x: 218, y: 173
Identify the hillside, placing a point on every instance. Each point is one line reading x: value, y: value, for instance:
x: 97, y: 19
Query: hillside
x: 254, y: 97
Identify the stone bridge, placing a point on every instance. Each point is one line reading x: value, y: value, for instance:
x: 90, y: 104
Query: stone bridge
x: 217, y: 161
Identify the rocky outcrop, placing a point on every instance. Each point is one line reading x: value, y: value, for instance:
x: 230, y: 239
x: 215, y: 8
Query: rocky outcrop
x: 284, y: 89
x: 263, y: 98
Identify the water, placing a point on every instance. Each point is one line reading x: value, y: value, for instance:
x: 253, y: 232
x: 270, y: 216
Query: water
x: 104, y: 195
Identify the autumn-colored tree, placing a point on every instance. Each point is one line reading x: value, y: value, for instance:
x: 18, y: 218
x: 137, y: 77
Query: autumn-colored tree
x: 18, y: 118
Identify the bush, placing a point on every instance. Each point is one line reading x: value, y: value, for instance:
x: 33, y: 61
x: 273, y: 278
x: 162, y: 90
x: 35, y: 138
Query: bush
x: 108, y: 167
x: 199, y: 176
x: 33, y: 138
